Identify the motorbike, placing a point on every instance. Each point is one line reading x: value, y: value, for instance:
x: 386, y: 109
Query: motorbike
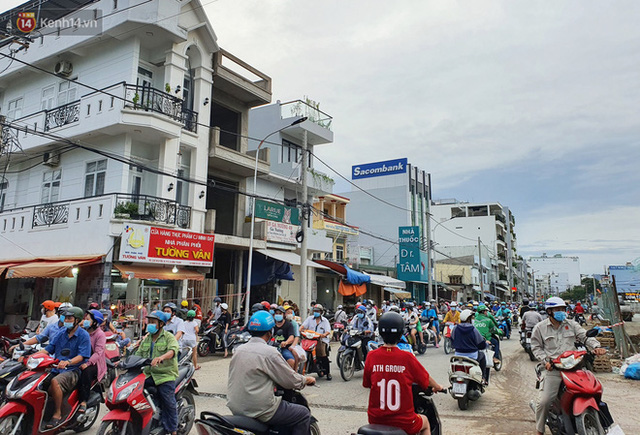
x: 211, y: 423
x: 504, y: 327
x: 10, y: 368
x: 422, y: 404
x: 309, y: 344
x: 495, y: 360
x: 465, y: 377
x: 420, y: 346
x: 237, y: 337
x: 430, y: 336
x: 579, y: 317
x: 134, y: 409
x: 338, y: 330
x: 525, y: 342
x: 28, y: 409
x: 211, y: 341
x: 112, y: 353
x: 448, y: 346
x: 578, y: 407
x: 350, y: 354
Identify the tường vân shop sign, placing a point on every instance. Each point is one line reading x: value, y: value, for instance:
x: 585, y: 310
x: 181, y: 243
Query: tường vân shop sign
x: 147, y: 244
x: 283, y: 233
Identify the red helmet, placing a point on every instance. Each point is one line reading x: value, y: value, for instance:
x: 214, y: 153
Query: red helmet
x: 266, y: 305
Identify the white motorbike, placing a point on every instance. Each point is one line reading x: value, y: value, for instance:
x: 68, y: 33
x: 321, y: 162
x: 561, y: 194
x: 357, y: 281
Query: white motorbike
x: 465, y: 377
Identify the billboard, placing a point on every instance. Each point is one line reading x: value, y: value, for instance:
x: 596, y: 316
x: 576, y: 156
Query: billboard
x: 378, y: 169
x: 627, y: 278
x: 277, y: 212
x: 413, y: 261
x: 147, y: 244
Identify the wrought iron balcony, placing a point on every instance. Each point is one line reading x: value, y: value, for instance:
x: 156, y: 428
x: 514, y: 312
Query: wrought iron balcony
x: 46, y: 215
x: 154, y: 100
x: 63, y: 115
x: 153, y: 209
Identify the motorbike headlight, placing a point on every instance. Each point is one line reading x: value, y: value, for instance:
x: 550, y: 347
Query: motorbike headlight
x: 110, y: 392
x: 34, y: 362
x: 122, y: 395
x: 569, y: 362
x: 12, y: 393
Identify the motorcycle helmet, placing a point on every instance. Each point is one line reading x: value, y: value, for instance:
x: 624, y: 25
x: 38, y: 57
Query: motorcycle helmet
x: 554, y: 302
x: 525, y: 302
x: 453, y: 304
x: 361, y: 308
x: 94, y: 306
x: 256, y: 307
x: 217, y: 299
x: 394, y: 309
x: 391, y: 327
x: 482, y: 308
x: 266, y: 305
x: 170, y: 305
x: 184, y: 303
x: 465, y: 315
x: 318, y: 307
x: 339, y: 307
x: 261, y: 321
x: 105, y: 313
x: 75, y: 312
x: 191, y: 314
x: 57, y: 304
x: 96, y: 316
x: 49, y: 305
x: 224, y: 306
x: 158, y: 315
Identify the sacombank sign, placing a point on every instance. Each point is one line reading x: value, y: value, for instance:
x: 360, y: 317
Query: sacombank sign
x: 378, y: 169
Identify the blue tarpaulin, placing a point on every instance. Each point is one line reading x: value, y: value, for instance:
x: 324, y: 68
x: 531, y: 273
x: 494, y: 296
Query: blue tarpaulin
x: 266, y: 269
x: 357, y: 278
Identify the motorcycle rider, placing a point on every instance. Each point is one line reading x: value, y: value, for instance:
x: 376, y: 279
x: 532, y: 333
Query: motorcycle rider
x: 467, y: 341
x: 524, y: 307
x: 50, y: 331
x: 530, y: 319
x: 196, y: 307
x: 431, y: 313
x: 415, y: 325
x: 48, y: 315
x: 372, y: 312
x: 340, y: 316
x: 550, y: 338
x: 579, y: 309
x: 284, y: 335
x: 76, y: 340
x: 225, y: 321
x: 121, y: 339
x: 487, y: 326
x: 174, y: 324
x: 255, y: 370
x: 162, y: 348
x: 217, y: 311
x: 363, y: 323
x: 390, y: 373
x: 318, y: 323
x: 453, y: 315
x: 95, y: 367
x: 505, y: 312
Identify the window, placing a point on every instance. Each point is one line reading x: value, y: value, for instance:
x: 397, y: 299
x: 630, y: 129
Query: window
x: 3, y: 193
x: 291, y: 153
x: 339, y: 253
x: 48, y: 96
x: 455, y: 279
x: 94, y: 178
x: 14, y: 109
x: 67, y: 91
x: 145, y: 77
x: 51, y: 186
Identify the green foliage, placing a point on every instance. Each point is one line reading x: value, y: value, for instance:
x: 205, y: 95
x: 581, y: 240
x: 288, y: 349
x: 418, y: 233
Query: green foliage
x: 126, y: 208
x: 577, y: 293
x: 587, y: 283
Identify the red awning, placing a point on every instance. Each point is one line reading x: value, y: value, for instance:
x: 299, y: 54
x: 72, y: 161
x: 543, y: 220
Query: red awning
x: 336, y: 267
x: 143, y: 271
x: 48, y: 267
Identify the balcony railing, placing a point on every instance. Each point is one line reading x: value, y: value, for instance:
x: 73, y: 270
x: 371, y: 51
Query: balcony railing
x: 154, y: 100
x: 63, y: 115
x: 153, y: 209
x: 308, y: 108
x: 46, y: 215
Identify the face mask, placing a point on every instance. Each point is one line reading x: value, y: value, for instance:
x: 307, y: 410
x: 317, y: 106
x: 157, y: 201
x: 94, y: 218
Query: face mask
x: 271, y: 312
x: 361, y: 315
x: 43, y: 311
x: 152, y: 329
x: 68, y: 325
x: 289, y: 316
x: 86, y: 324
x: 316, y: 315
x: 61, y: 319
x: 278, y: 317
x: 560, y: 316
x: 170, y: 314
x: 453, y: 308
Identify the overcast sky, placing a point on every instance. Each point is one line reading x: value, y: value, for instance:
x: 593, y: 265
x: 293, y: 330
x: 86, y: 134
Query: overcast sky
x: 531, y: 104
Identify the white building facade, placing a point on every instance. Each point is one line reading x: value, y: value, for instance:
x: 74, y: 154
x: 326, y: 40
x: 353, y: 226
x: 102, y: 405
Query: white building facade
x: 558, y: 273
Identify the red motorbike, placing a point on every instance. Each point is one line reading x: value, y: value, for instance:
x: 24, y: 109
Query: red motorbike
x: 135, y: 410
x: 28, y: 409
x: 309, y: 344
x: 578, y: 408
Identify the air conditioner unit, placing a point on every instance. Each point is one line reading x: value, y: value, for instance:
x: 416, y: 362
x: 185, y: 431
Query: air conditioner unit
x: 64, y: 68
x: 50, y: 159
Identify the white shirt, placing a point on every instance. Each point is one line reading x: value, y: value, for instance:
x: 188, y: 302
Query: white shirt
x: 46, y: 321
x: 188, y: 327
x: 173, y: 325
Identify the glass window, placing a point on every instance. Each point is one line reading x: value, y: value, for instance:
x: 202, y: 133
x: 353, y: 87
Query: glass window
x: 48, y: 96
x: 67, y: 91
x: 51, y: 186
x: 95, y: 177
x: 3, y: 193
x: 14, y: 109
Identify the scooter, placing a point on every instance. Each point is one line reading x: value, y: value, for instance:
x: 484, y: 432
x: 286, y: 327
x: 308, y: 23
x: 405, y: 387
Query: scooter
x: 338, y: 330
x: 211, y: 341
x: 28, y: 409
x: 448, y: 346
x: 350, y: 354
x: 420, y: 346
x: 135, y: 410
x: 309, y: 344
x: 465, y: 377
x: 504, y: 327
x: 422, y: 404
x: 578, y: 407
x: 211, y: 423
x: 237, y: 337
x: 525, y: 341
x: 430, y: 336
x: 10, y: 368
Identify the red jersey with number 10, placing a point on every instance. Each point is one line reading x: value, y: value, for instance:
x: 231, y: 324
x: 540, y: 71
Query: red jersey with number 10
x: 390, y: 373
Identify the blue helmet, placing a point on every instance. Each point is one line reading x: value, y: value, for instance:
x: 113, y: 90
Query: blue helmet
x: 361, y: 308
x: 261, y: 321
x: 159, y: 315
x: 97, y: 316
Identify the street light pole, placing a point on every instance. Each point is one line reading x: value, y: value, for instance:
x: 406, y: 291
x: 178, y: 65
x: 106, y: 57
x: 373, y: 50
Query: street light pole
x: 247, y: 305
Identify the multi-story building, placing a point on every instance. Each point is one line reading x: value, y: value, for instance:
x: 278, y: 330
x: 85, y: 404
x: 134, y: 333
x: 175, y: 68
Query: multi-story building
x: 562, y: 272
x: 488, y: 224
x: 132, y: 131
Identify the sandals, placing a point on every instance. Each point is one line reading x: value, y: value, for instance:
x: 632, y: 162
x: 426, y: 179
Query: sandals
x: 198, y: 367
x: 55, y: 422
x: 82, y: 409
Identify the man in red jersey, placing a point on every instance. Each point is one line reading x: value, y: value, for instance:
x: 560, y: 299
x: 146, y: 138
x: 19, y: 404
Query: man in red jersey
x: 390, y: 373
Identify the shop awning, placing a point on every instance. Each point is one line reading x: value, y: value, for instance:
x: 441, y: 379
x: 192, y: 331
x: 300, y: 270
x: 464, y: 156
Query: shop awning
x: 350, y: 275
x: 288, y: 257
x: 48, y: 267
x: 490, y: 296
x: 153, y: 272
x: 387, y: 281
x: 401, y: 294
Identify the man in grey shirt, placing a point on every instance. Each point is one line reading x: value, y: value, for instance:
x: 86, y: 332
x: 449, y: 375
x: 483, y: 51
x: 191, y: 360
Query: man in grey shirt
x: 531, y: 318
x: 255, y: 370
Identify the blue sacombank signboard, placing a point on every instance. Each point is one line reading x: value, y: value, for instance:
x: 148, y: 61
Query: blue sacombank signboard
x: 378, y: 169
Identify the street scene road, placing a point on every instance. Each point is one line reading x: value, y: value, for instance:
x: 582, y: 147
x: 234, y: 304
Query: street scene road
x: 340, y: 407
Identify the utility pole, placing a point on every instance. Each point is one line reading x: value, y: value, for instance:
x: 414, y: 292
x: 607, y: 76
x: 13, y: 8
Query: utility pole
x: 480, y: 269
x: 304, y: 217
x: 429, y: 256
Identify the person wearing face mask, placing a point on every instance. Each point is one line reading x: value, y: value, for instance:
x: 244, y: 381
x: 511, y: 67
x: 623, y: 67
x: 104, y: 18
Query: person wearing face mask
x: 283, y: 334
x: 162, y: 348
x: 49, y: 332
x: 361, y: 322
x: 225, y: 321
x: 96, y: 367
x: 76, y: 344
x: 48, y: 316
x: 340, y: 316
x: 453, y: 315
x: 318, y: 323
x: 174, y: 324
x: 549, y: 339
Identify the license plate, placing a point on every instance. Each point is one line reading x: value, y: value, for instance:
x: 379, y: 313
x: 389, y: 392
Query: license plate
x: 459, y: 388
x: 528, y: 341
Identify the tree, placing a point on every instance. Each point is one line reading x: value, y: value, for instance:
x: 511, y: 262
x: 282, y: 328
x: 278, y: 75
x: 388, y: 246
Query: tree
x: 587, y: 283
x: 577, y: 293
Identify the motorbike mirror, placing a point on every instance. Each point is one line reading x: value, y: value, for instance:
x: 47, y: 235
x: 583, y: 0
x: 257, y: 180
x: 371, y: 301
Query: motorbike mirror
x: 593, y: 332
x: 65, y: 352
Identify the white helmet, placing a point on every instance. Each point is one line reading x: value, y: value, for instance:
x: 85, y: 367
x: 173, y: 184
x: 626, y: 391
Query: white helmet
x: 339, y: 307
x: 465, y: 314
x: 554, y: 302
x: 454, y: 304
x: 224, y: 306
x: 394, y: 308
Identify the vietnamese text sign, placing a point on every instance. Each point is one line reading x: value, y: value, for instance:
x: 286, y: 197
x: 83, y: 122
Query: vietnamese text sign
x: 409, y: 236
x: 277, y: 212
x: 413, y: 262
x: 143, y: 243
x: 283, y: 233
x: 388, y: 167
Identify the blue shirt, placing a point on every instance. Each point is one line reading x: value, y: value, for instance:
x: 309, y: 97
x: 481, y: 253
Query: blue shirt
x: 78, y: 344
x: 49, y: 332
